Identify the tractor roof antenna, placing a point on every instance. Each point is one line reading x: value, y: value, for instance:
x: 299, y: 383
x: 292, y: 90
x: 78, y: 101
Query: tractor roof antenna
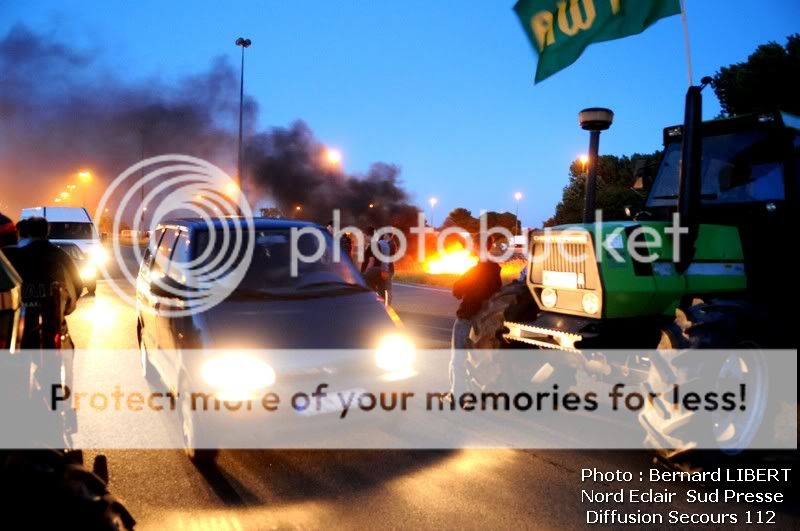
x: 594, y: 120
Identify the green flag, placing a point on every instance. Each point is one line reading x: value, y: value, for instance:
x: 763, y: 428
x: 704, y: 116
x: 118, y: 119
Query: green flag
x: 561, y: 29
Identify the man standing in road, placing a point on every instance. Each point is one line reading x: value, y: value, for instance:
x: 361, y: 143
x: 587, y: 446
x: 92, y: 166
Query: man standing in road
x: 391, y: 250
x: 375, y: 270
x: 473, y: 288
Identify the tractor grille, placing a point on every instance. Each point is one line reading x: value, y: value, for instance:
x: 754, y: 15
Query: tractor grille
x: 562, y: 258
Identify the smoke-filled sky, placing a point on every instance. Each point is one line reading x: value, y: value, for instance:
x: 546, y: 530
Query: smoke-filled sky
x: 441, y: 90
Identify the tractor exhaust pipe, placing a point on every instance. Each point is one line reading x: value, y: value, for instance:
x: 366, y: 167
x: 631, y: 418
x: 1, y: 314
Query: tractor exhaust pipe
x: 594, y: 120
x: 690, y: 190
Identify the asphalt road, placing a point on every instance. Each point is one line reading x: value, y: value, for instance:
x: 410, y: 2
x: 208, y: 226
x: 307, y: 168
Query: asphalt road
x: 468, y: 489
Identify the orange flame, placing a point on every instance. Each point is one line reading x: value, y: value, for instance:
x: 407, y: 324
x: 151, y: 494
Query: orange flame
x: 454, y: 261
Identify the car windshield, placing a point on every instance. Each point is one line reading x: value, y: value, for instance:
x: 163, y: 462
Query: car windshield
x: 270, y: 269
x: 62, y: 230
x: 736, y: 168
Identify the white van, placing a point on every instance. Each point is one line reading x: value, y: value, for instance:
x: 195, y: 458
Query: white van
x: 72, y: 229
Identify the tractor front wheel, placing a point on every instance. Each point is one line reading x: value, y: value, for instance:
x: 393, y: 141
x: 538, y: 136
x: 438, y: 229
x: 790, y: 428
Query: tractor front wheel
x: 485, y: 368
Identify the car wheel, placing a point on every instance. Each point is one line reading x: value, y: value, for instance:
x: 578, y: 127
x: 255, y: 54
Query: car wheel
x: 189, y: 430
x: 148, y: 370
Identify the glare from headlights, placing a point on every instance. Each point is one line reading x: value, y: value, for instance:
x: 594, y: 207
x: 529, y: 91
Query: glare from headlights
x: 395, y: 353
x: 88, y: 272
x: 236, y: 374
x: 98, y: 255
x: 549, y: 297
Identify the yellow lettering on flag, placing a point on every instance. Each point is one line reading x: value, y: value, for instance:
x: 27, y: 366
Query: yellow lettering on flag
x: 614, y: 7
x: 578, y: 21
x: 542, y: 26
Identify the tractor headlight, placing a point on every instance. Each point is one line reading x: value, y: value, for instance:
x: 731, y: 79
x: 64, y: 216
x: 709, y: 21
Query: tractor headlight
x: 549, y: 297
x: 395, y: 353
x: 237, y: 376
x: 591, y: 303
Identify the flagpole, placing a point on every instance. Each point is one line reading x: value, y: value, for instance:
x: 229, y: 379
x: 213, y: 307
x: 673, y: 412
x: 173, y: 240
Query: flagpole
x: 685, y: 24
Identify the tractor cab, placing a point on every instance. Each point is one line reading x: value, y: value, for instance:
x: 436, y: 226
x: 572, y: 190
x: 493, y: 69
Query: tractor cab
x: 748, y: 171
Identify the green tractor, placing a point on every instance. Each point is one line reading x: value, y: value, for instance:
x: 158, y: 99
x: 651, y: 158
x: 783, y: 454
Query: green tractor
x: 724, y: 282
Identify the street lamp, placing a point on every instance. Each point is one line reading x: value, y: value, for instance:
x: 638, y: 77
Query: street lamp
x: 584, y: 160
x: 333, y: 157
x: 594, y: 120
x: 244, y: 43
x: 517, y: 197
x: 85, y: 178
x: 232, y: 190
x: 432, y: 202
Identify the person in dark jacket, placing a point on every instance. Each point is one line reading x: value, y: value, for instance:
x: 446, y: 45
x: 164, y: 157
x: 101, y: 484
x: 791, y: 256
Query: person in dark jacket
x: 473, y: 288
x: 8, y: 233
x: 41, y: 265
x: 375, y: 270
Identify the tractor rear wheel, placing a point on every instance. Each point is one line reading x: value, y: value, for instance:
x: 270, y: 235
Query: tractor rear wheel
x: 672, y: 431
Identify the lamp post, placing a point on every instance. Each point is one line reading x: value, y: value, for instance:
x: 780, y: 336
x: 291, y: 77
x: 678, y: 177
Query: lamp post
x: 594, y: 120
x: 85, y: 177
x: 517, y: 197
x: 244, y: 43
x: 141, y: 175
x: 432, y: 201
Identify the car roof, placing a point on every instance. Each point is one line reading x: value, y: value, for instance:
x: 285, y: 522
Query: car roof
x: 258, y: 223
x: 66, y: 214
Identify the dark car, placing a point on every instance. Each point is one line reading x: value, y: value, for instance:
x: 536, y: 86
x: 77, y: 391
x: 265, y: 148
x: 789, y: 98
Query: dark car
x: 325, y: 305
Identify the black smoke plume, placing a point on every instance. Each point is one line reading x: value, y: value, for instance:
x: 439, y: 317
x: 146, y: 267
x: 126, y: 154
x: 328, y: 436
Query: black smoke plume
x: 289, y: 165
x: 61, y: 110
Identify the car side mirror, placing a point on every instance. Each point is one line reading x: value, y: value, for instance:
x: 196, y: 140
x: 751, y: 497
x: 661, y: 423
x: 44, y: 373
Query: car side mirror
x: 162, y: 286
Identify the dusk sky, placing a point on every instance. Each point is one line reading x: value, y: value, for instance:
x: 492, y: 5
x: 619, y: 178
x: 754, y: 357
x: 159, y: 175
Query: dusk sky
x: 442, y: 88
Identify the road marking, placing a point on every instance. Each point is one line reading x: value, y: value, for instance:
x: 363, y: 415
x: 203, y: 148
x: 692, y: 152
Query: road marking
x: 420, y: 286
x: 414, y: 325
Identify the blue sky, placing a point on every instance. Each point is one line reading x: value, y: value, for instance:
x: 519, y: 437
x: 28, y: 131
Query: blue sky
x: 442, y: 88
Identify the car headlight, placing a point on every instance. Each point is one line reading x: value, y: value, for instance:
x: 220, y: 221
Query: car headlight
x: 549, y: 297
x: 88, y: 272
x: 237, y: 376
x: 591, y: 303
x: 395, y: 353
x: 98, y: 255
